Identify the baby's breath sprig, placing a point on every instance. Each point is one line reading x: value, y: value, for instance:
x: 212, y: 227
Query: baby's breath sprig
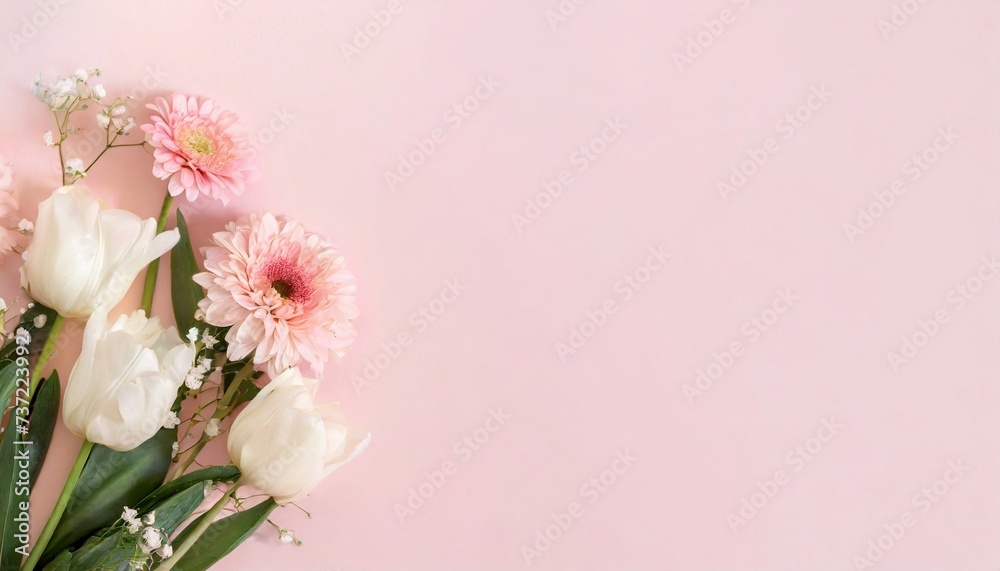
x: 78, y: 92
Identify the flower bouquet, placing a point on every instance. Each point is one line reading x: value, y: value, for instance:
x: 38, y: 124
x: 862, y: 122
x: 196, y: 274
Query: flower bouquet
x: 146, y: 398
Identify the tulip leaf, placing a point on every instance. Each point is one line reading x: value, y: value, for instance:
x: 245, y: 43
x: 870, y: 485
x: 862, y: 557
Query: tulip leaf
x: 104, y: 553
x: 8, y: 353
x: 110, y: 481
x: 14, y: 490
x: 214, y: 474
x: 37, y: 334
x: 183, y: 266
x: 114, y: 547
x: 110, y: 552
x: 60, y: 563
x: 12, y: 494
x: 172, y: 512
x: 27, y: 449
x: 8, y: 379
x: 222, y: 537
x: 44, y: 413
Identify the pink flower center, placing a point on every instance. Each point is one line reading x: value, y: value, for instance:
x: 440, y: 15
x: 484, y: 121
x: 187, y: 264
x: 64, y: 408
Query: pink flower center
x: 288, y: 279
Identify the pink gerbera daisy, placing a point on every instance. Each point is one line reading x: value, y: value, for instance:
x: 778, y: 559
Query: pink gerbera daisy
x: 283, y: 291
x: 199, y: 147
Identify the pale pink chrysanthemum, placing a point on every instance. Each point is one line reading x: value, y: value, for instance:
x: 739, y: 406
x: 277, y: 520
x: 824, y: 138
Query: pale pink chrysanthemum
x: 283, y: 290
x: 11, y: 237
x: 199, y: 147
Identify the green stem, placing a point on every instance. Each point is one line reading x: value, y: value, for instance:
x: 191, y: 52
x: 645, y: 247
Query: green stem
x: 223, y: 409
x: 57, y: 512
x: 192, y: 455
x: 62, y: 161
x: 154, y: 266
x: 47, y: 351
x: 234, y: 386
x: 106, y: 149
x: 204, y: 524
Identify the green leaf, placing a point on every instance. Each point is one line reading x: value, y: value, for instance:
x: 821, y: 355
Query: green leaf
x: 8, y: 380
x: 172, y: 512
x: 113, y: 548
x: 13, y: 490
x: 110, y: 552
x: 8, y: 353
x: 38, y: 335
x: 44, y: 413
x: 222, y: 537
x: 60, y: 563
x: 28, y: 458
x: 214, y: 474
x: 110, y: 481
x: 183, y: 266
x: 12, y: 494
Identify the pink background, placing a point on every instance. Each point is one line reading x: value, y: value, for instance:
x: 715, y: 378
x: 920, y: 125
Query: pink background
x: 496, y: 345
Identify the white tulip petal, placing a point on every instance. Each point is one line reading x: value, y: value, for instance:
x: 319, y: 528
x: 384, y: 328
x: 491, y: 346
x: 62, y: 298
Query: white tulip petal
x: 126, y: 379
x: 284, y: 444
x: 82, y: 257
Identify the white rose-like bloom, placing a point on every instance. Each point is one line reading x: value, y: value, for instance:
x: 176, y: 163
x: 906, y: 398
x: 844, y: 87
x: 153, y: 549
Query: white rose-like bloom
x: 285, y: 444
x: 82, y: 256
x: 126, y: 379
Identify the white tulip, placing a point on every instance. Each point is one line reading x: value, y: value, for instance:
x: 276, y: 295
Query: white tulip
x: 284, y: 444
x: 82, y: 256
x: 121, y: 389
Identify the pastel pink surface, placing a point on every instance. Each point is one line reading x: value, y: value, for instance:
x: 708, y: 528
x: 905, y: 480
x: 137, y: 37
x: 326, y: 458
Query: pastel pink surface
x: 330, y: 126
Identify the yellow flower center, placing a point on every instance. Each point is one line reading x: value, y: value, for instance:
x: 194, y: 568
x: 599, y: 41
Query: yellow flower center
x: 199, y: 143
